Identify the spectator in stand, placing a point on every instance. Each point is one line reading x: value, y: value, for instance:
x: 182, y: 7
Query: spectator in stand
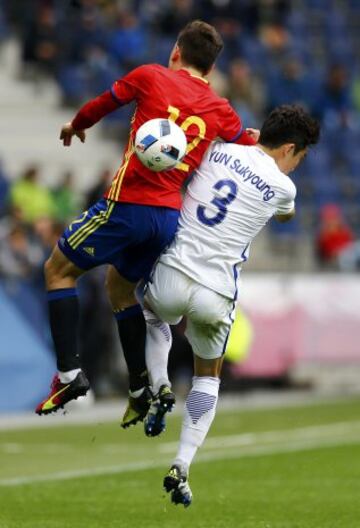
x: 66, y: 201
x: 41, y: 37
x: 174, y: 16
x: 245, y: 91
x: 290, y: 84
x: 128, y: 41
x: 47, y: 232
x: 276, y: 45
x: 99, y: 189
x: 335, y: 106
x: 20, y: 256
x: 334, y: 236
x: 4, y: 191
x: 31, y: 198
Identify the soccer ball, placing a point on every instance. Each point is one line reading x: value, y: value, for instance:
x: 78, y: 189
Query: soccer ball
x: 160, y: 144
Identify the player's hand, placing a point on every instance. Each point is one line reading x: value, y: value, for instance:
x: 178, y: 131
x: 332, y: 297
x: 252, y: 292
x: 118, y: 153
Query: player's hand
x: 254, y: 133
x: 67, y: 132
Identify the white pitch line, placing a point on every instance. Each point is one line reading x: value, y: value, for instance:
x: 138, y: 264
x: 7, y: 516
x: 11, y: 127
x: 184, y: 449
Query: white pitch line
x: 112, y: 411
x: 300, y: 444
x: 261, y: 437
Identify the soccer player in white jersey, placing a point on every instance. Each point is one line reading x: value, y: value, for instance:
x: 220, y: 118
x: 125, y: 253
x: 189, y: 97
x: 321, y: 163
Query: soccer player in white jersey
x: 235, y: 192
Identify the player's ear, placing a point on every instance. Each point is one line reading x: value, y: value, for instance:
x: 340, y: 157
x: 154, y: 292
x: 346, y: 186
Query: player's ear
x: 288, y: 148
x: 175, y: 54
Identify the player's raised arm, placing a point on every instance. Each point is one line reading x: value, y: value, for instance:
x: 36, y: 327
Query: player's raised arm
x: 87, y: 116
x: 67, y: 132
x: 122, y: 92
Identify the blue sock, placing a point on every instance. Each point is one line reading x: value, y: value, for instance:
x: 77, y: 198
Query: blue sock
x: 132, y: 332
x: 64, y: 318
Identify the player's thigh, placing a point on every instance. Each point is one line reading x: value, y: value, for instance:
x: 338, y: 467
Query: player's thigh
x: 167, y: 293
x: 90, y: 240
x: 155, y: 228
x: 59, y: 267
x: 208, y: 341
x: 209, y: 323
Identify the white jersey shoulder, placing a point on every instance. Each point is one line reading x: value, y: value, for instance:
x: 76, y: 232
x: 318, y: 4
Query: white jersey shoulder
x: 234, y: 193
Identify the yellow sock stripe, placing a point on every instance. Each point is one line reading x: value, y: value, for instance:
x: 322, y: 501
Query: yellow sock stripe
x: 78, y: 233
x: 91, y: 226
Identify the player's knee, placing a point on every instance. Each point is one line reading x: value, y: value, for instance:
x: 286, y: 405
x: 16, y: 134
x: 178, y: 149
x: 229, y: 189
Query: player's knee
x: 51, y: 269
x: 59, y: 271
x: 207, y: 367
x: 119, y: 299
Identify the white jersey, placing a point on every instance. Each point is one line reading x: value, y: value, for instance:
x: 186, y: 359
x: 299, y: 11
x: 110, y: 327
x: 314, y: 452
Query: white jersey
x: 234, y: 193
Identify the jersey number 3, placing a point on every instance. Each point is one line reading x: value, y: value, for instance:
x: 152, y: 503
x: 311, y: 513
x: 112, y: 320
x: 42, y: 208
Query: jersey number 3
x: 220, y: 203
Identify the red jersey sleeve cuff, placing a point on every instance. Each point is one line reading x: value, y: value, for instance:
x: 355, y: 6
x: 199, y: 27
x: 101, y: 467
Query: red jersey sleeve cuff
x: 95, y: 110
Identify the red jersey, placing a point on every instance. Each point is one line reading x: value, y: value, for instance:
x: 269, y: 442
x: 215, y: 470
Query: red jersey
x: 163, y: 93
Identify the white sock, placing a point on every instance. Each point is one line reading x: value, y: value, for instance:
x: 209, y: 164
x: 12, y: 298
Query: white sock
x: 158, y: 344
x: 199, y: 412
x: 69, y: 375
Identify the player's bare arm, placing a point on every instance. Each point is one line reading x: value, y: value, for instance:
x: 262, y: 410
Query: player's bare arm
x: 282, y: 218
x: 67, y: 133
x: 87, y: 116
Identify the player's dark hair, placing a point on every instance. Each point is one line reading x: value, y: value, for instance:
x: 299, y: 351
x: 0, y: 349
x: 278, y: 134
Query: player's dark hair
x: 200, y: 44
x: 289, y: 124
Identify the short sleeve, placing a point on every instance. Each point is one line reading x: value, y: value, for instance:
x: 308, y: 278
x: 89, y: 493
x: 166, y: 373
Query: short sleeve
x: 286, y: 203
x: 130, y: 86
x: 285, y: 208
x: 230, y: 126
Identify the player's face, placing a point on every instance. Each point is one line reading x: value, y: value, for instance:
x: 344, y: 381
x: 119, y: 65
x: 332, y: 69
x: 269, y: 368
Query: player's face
x: 291, y: 160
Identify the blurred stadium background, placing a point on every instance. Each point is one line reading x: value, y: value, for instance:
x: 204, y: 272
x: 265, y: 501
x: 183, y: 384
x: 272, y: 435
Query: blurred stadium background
x: 298, y: 327
x: 299, y: 320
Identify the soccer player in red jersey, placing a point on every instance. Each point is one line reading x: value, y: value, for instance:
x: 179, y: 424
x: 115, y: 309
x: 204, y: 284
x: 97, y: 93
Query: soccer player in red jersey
x: 138, y: 216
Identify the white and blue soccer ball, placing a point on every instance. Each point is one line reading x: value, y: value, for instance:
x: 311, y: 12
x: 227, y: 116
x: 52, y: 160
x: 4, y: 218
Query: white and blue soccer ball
x: 160, y: 144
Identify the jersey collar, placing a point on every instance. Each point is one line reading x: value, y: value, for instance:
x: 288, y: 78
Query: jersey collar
x: 195, y: 76
x: 264, y: 154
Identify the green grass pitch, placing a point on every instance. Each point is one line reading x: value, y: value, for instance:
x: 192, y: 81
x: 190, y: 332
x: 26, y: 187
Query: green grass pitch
x: 290, y: 467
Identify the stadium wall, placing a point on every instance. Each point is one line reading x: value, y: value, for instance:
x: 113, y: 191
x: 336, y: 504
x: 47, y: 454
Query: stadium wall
x: 26, y: 363
x: 301, y: 320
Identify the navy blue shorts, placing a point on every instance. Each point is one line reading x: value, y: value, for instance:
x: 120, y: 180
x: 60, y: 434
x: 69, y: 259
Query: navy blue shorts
x: 128, y: 236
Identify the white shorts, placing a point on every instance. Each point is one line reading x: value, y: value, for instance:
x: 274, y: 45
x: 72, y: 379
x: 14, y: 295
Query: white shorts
x: 171, y: 294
